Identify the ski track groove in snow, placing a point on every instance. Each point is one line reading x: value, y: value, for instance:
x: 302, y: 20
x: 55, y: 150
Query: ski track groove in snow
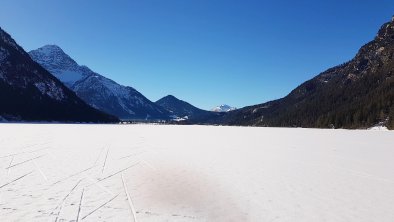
x: 80, y: 205
x: 14, y: 180
x: 99, y: 207
x: 117, y: 172
x: 60, y: 206
x: 24, y: 152
x: 131, y: 205
x: 23, y: 162
x: 194, y: 173
x: 105, y: 161
x: 9, y: 165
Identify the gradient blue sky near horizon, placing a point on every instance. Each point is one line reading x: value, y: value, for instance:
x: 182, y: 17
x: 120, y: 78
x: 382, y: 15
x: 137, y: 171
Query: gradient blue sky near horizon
x: 206, y: 52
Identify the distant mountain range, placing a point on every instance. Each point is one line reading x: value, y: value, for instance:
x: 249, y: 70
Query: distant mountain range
x: 28, y: 92
x: 356, y: 94
x: 108, y: 96
x: 223, y: 108
x: 98, y: 91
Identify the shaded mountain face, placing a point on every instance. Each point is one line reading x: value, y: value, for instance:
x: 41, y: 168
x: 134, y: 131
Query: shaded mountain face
x: 184, y: 110
x: 356, y: 94
x: 179, y: 107
x: 28, y: 92
x: 98, y: 91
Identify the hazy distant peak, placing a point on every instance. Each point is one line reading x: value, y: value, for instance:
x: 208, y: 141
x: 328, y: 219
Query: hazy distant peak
x: 223, y: 108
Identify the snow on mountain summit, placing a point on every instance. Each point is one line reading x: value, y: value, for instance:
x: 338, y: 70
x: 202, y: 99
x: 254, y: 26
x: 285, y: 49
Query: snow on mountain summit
x: 30, y: 93
x: 58, y: 63
x: 98, y: 91
x: 223, y: 108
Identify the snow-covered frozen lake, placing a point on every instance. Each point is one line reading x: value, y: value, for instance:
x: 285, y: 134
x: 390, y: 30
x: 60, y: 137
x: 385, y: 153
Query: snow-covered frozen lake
x: 194, y: 173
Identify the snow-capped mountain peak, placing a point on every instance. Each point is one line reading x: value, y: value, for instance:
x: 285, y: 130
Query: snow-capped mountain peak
x: 57, y: 62
x: 30, y: 93
x: 223, y: 108
x: 98, y: 91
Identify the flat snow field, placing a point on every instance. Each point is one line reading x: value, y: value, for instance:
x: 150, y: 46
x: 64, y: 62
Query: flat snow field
x: 51, y: 172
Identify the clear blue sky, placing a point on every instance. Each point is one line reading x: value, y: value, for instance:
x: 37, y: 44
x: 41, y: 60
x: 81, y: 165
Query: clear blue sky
x: 206, y: 52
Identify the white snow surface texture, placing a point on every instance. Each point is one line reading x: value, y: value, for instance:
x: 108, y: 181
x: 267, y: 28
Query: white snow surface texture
x: 194, y: 173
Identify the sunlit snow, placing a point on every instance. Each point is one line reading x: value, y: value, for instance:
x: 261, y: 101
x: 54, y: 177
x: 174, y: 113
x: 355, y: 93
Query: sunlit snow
x: 194, y: 173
